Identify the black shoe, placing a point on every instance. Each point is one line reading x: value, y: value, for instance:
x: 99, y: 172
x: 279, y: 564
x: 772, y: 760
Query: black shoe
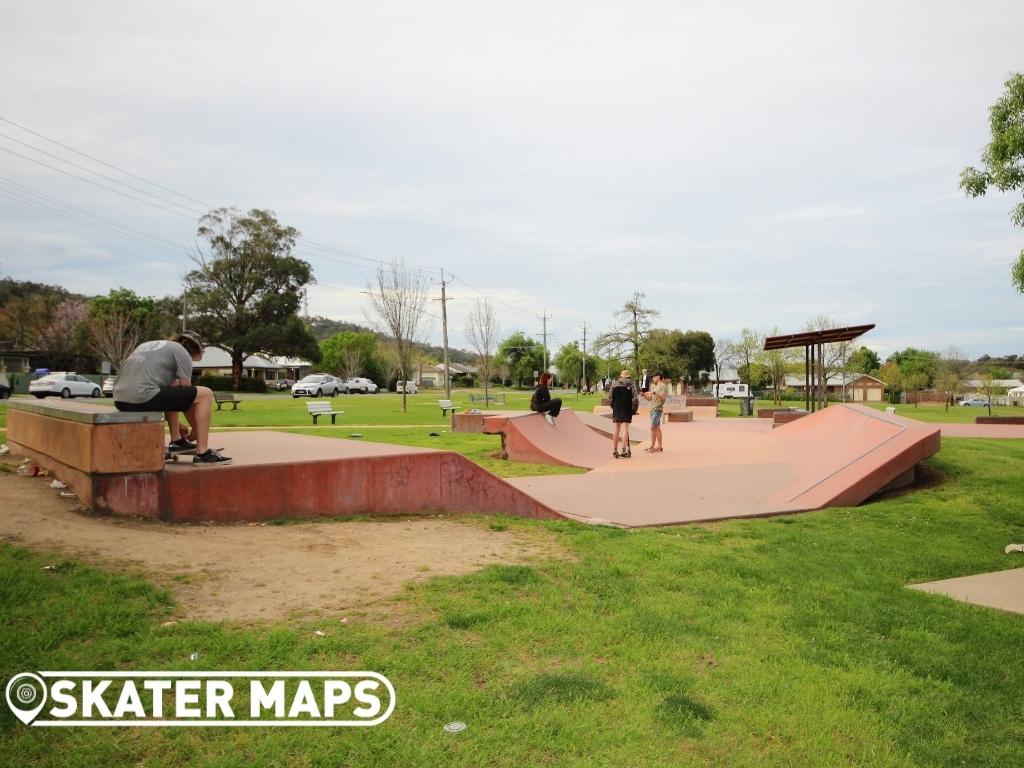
x: 209, y: 458
x: 627, y: 455
x: 181, y: 446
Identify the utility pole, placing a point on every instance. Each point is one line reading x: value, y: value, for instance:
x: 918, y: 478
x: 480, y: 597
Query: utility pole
x: 545, y: 317
x: 444, y: 326
x: 583, y: 375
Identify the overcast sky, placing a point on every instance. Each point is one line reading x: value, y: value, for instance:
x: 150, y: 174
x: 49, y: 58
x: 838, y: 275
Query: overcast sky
x: 743, y: 163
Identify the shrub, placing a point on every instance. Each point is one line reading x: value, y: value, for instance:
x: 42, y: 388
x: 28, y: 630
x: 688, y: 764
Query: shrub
x: 223, y: 384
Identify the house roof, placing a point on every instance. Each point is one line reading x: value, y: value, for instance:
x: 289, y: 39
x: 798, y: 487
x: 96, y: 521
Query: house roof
x: 834, y: 380
x: 1001, y: 383
x: 215, y: 357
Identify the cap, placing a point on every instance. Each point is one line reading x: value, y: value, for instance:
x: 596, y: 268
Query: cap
x: 192, y: 336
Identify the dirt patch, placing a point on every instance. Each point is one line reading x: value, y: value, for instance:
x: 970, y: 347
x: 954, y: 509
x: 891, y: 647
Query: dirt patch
x: 263, y: 572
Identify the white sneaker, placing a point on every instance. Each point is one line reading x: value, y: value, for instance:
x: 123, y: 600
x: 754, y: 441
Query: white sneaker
x: 550, y: 419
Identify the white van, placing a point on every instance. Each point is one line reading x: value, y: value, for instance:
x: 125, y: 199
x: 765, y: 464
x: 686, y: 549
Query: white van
x: 727, y: 391
x: 409, y: 387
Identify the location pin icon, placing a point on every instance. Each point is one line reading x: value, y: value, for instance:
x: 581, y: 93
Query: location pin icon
x: 26, y: 696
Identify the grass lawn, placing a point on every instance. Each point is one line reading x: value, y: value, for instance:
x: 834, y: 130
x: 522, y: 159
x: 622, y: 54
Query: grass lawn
x: 779, y: 642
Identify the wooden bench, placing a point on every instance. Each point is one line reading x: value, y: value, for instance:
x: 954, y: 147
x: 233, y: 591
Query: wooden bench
x: 318, y: 408
x: 446, y: 405
x: 498, y: 399
x: 226, y: 397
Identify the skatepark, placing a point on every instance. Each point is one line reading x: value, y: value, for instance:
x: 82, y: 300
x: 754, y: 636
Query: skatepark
x: 711, y: 469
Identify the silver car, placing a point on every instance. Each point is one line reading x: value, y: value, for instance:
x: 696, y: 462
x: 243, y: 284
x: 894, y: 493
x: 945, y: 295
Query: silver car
x: 975, y: 401
x: 318, y: 385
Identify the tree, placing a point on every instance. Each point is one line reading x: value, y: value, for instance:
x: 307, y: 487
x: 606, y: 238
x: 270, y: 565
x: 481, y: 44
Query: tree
x: 748, y: 351
x: 482, y: 330
x: 1002, y: 160
x: 914, y: 382
x: 725, y: 356
x: 833, y: 355
x: 913, y: 361
x: 863, y: 360
x: 118, y: 322
x: 989, y: 389
x: 569, y: 361
x: 244, y: 295
x: 65, y: 338
x: 779, y: 362
x: 399, y: 298
x: 636, y: 325
x: 522, y: 356
x: 948, y: 382
x: 349, y: 354
x: 893, y: 378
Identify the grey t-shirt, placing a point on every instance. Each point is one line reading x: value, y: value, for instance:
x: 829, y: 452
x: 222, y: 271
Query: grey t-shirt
x: 152, y: 365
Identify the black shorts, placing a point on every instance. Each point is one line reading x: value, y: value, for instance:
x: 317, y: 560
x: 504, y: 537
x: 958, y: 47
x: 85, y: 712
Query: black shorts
x: 168, y: 399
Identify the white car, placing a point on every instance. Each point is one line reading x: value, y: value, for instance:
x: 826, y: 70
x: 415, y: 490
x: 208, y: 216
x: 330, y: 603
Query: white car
x: 318, y: 385
x: 409, y: 387
x: 63, y: 384
x: 358, y: 384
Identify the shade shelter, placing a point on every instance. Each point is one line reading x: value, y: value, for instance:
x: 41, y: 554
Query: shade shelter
x: 813, y: 343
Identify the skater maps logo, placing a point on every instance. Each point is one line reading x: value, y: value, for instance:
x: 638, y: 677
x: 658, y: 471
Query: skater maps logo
x: 204, y: 699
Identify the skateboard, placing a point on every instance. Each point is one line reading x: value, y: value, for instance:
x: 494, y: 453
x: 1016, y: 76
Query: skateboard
x: 172, y: 458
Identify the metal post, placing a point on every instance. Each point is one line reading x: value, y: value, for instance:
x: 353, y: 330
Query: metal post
x: 807, y: 377
x: 444, y: 324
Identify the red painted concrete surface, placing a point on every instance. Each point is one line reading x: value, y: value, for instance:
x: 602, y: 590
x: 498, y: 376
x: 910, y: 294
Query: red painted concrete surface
x: 528, y: 437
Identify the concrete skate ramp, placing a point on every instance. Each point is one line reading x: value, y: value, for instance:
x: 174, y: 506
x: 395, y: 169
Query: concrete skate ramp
x: 710, y: 471
x: 528, y: 437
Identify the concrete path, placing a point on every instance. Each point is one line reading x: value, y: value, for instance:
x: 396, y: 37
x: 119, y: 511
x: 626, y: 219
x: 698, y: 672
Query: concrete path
x: 1002, y: 589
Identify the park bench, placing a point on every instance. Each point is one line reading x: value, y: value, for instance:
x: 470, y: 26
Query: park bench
x: 498, y: 399
x: 226, y: 397
x: 447, y: 405
x: 318, y: 408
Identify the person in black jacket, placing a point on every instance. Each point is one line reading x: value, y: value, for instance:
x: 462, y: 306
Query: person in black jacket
x: 542, y: 402
x: 624, y: 400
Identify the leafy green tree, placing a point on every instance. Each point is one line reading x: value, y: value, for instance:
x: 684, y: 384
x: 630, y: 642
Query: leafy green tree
x: 864, y: 360
x: 683, y: 355
x: 749, y: 354
x: 245, y: 293
x: 893, y: 378
x: 351, y: 353
x: 569, y: 362
x: 913, y: 361
x: 522, y: 356
x: 1002, y: 161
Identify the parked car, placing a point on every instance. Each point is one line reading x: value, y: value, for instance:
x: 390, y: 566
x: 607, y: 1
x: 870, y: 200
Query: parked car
x: 108, y: 386
x: 974, y: 401
x: 282, y: 384
x: 318, y: 385
x: 63, y: 384
x: 358, y: 384
x: 5, y: 387
x: 409, y: 387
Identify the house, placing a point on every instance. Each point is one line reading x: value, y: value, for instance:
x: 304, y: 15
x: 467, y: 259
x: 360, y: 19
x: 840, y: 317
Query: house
x: 217, y: 362
x: 849, y: 387
x: 432, y: 375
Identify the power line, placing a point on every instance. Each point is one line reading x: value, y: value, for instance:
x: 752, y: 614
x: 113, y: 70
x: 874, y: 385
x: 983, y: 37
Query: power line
x: 95, y: 183
x: 78, y: 220
x: 54, y: 201
x: 104, y: 163
x: 101, y: 175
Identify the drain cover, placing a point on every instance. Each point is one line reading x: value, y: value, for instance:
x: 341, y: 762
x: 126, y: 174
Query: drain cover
x: 455, y: 727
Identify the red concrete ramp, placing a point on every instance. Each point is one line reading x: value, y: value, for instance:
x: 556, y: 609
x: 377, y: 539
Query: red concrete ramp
x: 528, y: 437
x: 741, y: 468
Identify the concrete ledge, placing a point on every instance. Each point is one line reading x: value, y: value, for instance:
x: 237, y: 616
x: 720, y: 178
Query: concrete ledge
x: 84, y: 446
x: 999, y: 419
x: 86, y: 413
x: 679, y: 415
x: 785, y: 417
